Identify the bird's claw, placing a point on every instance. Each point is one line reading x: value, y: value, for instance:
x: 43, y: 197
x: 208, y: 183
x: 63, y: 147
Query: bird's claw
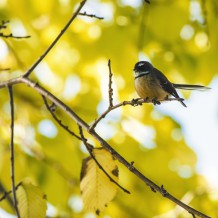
x: 155, y: 101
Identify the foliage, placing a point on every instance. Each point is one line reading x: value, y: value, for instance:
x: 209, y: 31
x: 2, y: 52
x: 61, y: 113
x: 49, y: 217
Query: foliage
x: 183, y: 47
x: 97, y: 189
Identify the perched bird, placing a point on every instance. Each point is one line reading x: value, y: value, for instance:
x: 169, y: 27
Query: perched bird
x: 152, y: 84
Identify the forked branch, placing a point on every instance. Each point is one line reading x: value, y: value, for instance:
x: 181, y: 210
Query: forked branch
x: 90, y: 150
x: 115, y: 154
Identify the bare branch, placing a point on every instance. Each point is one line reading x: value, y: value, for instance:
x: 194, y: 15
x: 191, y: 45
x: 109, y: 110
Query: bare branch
x: 5, y: 69
x: 133, y: 102
x: 30, y: 70
x: 12, y: 150
x: 193, y: 215
x: 104, y: 144
x: 90, y: 15
x: 3, y: 25
x: 13, y: 36
x: 110, y: 89
x: 49, y: 108
x: 9, y: 192
x: 90, y: 149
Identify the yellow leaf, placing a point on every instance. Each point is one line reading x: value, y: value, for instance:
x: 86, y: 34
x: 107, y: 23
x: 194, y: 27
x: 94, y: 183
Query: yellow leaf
x: 31, y: 201
x: 97, y: 189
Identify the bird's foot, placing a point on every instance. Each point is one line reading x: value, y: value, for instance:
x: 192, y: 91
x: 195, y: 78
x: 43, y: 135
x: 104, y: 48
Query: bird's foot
x: 146, y: 99
x: 155, y: 101
x: 166, y: 98
x: 135, y: 101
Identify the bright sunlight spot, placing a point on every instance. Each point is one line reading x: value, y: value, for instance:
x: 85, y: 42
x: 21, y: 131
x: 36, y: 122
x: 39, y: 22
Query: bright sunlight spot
x: 94, y: 32
x: 143, y: 134
x: 4, y: 49
x: 76, y: 203
x: 17, y: 28
x: 46, y: 76
x: 195, y: 11
x: 187, y: 32
x: 72, y: 87
x: 135, y: 3
x: 47, y: 128
x: 201, y: 40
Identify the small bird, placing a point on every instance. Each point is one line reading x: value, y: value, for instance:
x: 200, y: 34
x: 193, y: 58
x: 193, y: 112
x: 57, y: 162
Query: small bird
x: 152, y: 84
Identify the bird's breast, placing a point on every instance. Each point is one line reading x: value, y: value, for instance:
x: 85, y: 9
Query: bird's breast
x: 148, y: 87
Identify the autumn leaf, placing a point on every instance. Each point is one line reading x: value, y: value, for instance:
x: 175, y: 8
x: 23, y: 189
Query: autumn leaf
x: 31, y: 201
x: 97, y: 189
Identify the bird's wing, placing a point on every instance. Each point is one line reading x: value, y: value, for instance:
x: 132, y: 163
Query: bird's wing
x: 165, y: 83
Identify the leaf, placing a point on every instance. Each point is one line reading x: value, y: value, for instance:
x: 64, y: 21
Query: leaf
x: 31, y: 201
x: 97, y: 189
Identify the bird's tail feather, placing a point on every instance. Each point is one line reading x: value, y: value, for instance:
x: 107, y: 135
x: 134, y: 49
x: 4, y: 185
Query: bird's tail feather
x: 181, y: 101
x: 191, y: 87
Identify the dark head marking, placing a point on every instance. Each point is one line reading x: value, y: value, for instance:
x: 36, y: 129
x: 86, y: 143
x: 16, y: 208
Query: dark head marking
x: 143, y: 66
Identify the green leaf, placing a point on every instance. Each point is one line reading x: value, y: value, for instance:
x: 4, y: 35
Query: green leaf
x: 31, y: 201
x: 97, y: 189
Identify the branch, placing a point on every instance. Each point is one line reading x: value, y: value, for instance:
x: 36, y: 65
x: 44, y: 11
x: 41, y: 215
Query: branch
x: 104, y: 144
x: 30, y: 70
x: 90, y: 149
x: 12, y: 150
x: 3, y: 25
x: 110, y: 89
x: 133, y: 102
x: 9, y: 192
x: 5, y: 69
x: 49, y: 108
x: 90, y: 15
x: 12, y: 36
x: 147, y: 1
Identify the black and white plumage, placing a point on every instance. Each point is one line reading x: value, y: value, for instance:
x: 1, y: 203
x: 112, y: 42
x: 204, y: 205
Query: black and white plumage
x: 153, y: 84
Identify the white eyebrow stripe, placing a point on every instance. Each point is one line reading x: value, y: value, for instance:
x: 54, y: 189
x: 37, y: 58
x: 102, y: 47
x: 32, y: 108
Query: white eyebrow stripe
x: 140, y: 64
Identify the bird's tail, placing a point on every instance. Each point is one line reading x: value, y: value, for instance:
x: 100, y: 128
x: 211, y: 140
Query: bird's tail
x: 181, y: 101
x: 191, y: 87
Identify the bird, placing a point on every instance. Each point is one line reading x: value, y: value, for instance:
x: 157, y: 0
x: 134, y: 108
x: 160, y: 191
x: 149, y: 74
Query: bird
x: 152, y: 84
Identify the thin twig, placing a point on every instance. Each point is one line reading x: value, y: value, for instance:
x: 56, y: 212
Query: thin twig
x: 9, y: 192
x: 90, y: 15
x: 193, y: 215
x: 133, y: 102
x: 3, y: 25
x: 5, y: 69
x: 58, y: 120
x: 110, y: 89
x: 147, y: 1
x: 90, y: 150
x: 10, y: 89
x: 30, y: 70
x: 84, y: 125
x: 12, y: 36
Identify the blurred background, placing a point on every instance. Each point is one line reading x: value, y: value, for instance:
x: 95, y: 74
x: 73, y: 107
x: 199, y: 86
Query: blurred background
x: 170, y: 144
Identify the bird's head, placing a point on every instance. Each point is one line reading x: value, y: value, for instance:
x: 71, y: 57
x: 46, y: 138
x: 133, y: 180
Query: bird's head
x: 142, y: 68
